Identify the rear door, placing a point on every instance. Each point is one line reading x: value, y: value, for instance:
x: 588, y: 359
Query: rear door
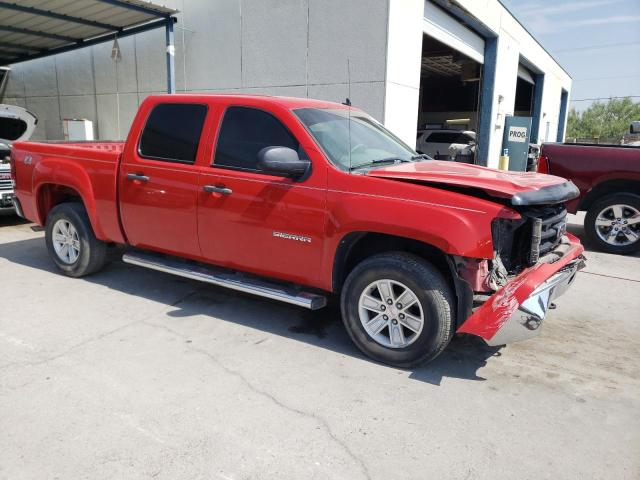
x: 261, y: 223
x: 159, y: 181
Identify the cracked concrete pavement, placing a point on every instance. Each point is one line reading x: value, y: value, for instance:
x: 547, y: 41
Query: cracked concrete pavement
x: 135, y: 374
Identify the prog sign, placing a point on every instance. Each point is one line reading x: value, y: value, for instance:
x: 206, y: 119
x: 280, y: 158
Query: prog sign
x: 517, y: 134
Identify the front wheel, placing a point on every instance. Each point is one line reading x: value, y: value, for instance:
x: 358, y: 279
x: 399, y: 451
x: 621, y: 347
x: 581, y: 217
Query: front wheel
x: 613, y: 223
x: 397, y: 309
x: 71, y: 242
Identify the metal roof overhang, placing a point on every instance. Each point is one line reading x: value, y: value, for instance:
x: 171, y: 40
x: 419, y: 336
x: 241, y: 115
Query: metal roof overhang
x: 31, y: 29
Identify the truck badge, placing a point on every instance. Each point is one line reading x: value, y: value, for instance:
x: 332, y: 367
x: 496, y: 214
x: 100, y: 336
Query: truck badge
x: 291, y: 236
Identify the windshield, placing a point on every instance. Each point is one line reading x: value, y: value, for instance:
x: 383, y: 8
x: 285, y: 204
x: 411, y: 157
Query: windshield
x: 370, y: 143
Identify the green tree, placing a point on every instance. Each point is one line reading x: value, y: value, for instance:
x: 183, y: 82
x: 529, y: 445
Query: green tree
x: 606, y: 120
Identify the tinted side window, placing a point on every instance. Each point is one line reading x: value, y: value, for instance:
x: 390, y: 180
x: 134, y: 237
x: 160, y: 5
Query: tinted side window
x: 442, y: 137
x: 464, y: 139
x: 172, y: 132
x: 244, y: 132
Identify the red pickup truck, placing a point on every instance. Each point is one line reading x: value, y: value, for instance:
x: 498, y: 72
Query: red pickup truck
x: 608, y: 177
x: 297, y: 199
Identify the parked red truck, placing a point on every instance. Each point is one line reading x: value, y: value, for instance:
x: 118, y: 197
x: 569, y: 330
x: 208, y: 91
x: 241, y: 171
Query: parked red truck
x: 297, y: 199
x: 608, y: 177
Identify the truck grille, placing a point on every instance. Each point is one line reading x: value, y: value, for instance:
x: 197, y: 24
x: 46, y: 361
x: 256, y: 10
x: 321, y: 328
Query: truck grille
x: 553, y: 225
x: 5, y: 184
x: 521, y: 243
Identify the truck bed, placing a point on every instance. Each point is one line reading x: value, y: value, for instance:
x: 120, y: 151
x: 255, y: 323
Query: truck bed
x: 588, y: 166
x: 95, y: 150
x: 88, y: 170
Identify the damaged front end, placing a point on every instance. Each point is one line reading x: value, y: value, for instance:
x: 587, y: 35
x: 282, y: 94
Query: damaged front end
x: 535, y: 261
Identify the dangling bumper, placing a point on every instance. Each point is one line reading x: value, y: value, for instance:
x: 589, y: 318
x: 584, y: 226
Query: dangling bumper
x: 516, y: 311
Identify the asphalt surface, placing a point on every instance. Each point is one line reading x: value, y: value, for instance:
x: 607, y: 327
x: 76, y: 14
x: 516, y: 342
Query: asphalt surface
x: 136, y: 374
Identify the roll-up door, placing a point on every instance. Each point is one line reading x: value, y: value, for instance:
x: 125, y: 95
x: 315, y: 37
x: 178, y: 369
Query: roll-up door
x: 446, y: 29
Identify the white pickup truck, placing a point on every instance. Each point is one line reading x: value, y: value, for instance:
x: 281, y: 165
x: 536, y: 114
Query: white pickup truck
x: 16, y: 124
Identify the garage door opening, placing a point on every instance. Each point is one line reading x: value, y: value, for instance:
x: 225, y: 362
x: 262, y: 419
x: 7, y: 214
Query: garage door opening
x: 449, y: 102
x: 524, y: 93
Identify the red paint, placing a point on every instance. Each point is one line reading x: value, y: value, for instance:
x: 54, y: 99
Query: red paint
x: 592, y: 166
x: 171, y: 213
x: 496, y: 182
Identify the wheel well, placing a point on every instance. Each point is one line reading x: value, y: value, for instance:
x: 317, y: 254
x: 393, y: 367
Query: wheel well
x: 609, y: 187
x: 50, y: 195
x: 357, y: 246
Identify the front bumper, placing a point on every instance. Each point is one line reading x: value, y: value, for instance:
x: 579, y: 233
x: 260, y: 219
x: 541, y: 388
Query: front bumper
x: 6, y: 199
x: 517, y: 310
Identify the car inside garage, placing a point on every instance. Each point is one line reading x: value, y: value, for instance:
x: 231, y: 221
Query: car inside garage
x: 450, y: 88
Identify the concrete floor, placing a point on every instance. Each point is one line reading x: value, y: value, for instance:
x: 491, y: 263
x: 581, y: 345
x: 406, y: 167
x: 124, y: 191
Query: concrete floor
x: 136, y: 374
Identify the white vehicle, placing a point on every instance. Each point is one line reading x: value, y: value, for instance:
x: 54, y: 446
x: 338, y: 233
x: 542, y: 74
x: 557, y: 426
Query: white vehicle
x: 438, y: 143
x: 16, y: 124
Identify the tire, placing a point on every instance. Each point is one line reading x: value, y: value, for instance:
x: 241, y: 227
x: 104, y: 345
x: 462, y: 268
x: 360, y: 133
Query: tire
x: 89, y: 253
x: 604, y: 208
x: 432, y: 292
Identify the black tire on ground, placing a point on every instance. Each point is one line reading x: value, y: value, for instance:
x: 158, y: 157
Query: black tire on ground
x: 432, y: 291
x: 92, y: 255
x: 598, y: 206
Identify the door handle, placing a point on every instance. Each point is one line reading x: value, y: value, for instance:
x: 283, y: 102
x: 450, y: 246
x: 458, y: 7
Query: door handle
x: 217, y: 189
x: 137, y: 177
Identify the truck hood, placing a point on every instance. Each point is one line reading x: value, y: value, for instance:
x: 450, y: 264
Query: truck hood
x: 521, y: 188
x: 16, y: 124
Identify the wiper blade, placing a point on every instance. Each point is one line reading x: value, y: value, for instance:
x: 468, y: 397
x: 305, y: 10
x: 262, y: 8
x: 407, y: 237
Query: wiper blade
x: 421, y: 156
x: 379, y: 161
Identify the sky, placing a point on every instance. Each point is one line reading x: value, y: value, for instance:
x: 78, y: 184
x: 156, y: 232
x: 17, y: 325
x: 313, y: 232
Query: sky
x: 596, y: 41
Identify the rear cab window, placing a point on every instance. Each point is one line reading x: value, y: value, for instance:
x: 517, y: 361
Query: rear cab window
x: 172, y: 132
x: 244, y: 132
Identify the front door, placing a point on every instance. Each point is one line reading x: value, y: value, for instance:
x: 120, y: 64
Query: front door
x: 249, y: 220
x: 159, y: 183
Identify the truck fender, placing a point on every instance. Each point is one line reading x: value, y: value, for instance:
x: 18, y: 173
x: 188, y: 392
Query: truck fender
x: 60, y: 172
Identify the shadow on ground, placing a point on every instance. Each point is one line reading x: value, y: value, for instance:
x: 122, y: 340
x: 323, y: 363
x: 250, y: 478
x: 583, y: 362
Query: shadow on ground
x: 322, y: 328
x: 10, y: 219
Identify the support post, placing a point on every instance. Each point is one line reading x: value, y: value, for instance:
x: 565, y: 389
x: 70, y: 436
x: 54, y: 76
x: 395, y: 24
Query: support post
x: 170, y: 53
x: 486, y: 120
x: 562, y: 119
x: 538, y: 89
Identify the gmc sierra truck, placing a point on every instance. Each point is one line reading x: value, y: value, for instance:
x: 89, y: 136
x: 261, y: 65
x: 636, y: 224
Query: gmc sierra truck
x: 296, y: 200
x: 608, y: 177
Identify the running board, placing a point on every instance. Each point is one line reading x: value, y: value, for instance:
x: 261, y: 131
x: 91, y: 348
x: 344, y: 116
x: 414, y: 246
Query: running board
x: 225, y: 278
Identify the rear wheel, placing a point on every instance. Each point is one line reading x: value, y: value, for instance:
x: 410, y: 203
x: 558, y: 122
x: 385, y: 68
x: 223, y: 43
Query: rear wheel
x: 398, y: 309
x: 71, y: 242
x: 613, y: 223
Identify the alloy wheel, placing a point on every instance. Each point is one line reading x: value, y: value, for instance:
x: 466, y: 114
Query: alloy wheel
x: 618, y: 225
x: 66, y: 242
x: 391, y: 313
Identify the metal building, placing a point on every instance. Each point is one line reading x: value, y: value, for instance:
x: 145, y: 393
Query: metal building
x: 454, y: 64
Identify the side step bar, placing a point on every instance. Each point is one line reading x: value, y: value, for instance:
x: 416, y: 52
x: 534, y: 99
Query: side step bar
x: 226, y: 278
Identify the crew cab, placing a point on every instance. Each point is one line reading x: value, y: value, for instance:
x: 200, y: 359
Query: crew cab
x: 608, y: 177
x: 298, y: 199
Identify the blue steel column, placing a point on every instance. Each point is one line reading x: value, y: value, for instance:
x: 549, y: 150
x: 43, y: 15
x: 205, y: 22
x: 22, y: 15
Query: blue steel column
x: 562, y: 120
x: 485, y: 120
x: 171, y: 70
x: 537, y: 108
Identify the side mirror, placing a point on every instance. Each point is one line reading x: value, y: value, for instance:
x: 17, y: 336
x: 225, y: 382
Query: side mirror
x: 634, y: 127
x: 283, y: 161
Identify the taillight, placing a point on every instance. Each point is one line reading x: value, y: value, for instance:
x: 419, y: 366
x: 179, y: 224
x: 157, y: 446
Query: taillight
x: 543, y: 164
